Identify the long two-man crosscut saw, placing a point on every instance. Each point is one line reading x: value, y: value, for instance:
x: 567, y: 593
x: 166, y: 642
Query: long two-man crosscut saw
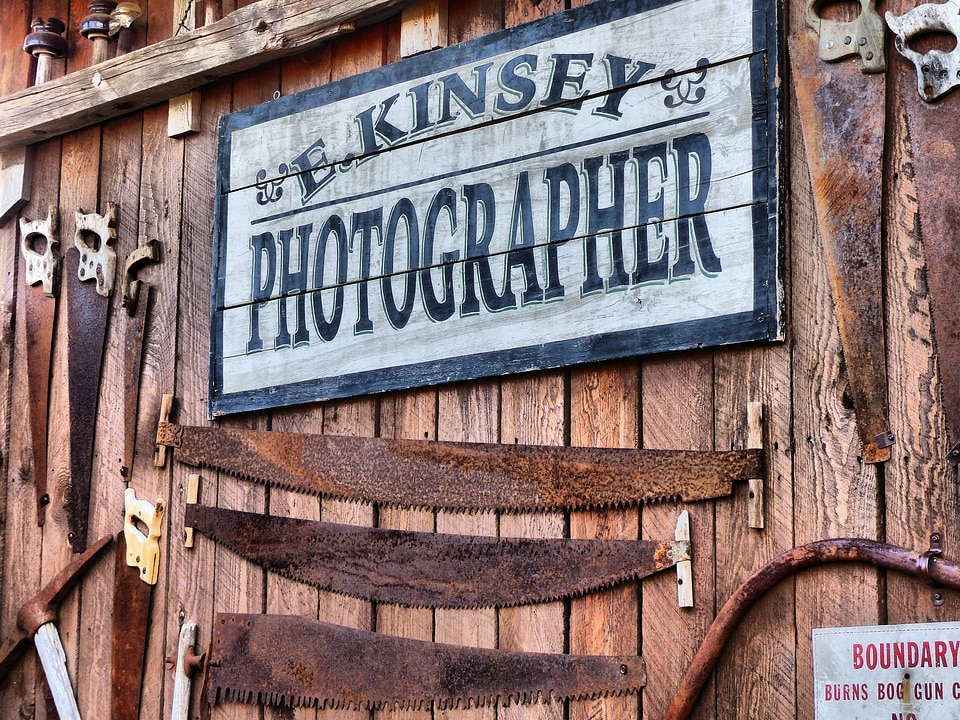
x: 842, y: 113
x: 933, y: 120
x: 463, y: 476
x: 290, y: 661
x: 91, y: 262
x: 422, y: 569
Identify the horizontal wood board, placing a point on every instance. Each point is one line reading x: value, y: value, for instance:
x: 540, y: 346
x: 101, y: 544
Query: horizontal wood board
x: 816, y: 485
x: 546, y: 194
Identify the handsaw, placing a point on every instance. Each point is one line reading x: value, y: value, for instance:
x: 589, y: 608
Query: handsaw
x: 87, y: 311
x: 461, y: 476
x: 137, y: 565
x: 290, y: 661
x: 421, y: 569
x: 136, y: 301
x: 38, y: 242
x: 933, y: 120
x: 844, y: 145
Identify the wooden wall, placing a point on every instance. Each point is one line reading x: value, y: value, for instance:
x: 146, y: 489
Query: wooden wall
x: 817, y: 485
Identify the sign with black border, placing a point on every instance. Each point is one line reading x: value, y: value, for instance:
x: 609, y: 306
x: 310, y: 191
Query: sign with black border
x: 599, y: 184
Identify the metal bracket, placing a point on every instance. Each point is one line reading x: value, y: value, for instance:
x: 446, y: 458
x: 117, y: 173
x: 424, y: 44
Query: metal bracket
x: 938, y: 72
x: 923, y: 565
x: 99, y: 261
x: 862, y: 37
x: 143, y: 551
x: 885, y: 439
x: 684, y: 567
x: 41, y: 267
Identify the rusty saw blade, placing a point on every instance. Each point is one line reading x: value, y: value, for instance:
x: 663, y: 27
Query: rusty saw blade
x: 131, y: 614
x: 842, y: 117
x: 38, y: 241
x: 88, y: 307
x: 421, y: 569
x: 290, y: 661
x: 462, y: 476
x: 933, y: 122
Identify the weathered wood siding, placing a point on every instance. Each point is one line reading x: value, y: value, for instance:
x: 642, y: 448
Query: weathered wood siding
x: 817, y: 486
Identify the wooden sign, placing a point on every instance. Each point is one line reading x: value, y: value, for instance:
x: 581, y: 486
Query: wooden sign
x: 893, y: 672
x: 595, y: 185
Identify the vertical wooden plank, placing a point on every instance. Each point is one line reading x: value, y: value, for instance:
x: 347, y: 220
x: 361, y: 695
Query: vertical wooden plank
x: 193, y: 600
x: 919, y: 497
x: 677, y: 411
x: 411, y: 415
x: 468, y: 413
x: 604, y: 402
x: 423, y: 27
x: 78, y: 189
x: 184, y: 110
x: 757, y: 675
x: 835, y: 495
x: 119, y: 183
x: 532, y: 412
x: 15, y: 73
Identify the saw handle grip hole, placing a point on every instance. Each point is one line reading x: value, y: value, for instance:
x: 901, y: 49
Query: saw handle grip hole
x: 923, y: 42
x: 838, y: 10
x: 37, y: 242
x: 90, y: 239
x: 140, y: 525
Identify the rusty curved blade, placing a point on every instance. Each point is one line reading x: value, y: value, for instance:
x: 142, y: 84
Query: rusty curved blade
x: 461, y: 476
x: 842, y: 113
x: 136, y: 317
x: 420, y: 569
x: 934, y: 131
x: 290, y: 661
x: 39, y: 313
x: 128, y: 645
x: 87, y: 313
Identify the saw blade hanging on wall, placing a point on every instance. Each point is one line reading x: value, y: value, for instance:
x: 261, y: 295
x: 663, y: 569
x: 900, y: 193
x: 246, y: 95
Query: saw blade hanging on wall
x: 422, y: 569
x: 933, y: 121
x: 844, y: 148
x: 464, y: 476
x: 290, y: 661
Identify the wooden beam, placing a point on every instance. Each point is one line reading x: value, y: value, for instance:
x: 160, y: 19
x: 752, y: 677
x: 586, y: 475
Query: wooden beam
x: 184, y: 114
x: 260, y: 32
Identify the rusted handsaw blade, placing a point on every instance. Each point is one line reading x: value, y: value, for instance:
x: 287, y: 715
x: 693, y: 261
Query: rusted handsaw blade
x: 136, y: 301
x: 131, y: 615
x: 38, y: 242
x: 934, y: 131
x: 88, y: 306
x: 290, y: 661
x: 463, y: 476
x: 842, y: 117
x: 422, y: 569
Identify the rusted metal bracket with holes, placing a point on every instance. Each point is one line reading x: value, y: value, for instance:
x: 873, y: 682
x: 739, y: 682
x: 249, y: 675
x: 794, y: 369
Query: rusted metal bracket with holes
x: 844, y: 147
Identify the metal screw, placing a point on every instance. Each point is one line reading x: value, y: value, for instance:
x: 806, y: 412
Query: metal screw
x: 830, y: 44
x: 862, y: 41
x: 97, y: 79
x: 847, y: 40
x: 623, y: 669
x: 935, y: 537
x: 869, y: 56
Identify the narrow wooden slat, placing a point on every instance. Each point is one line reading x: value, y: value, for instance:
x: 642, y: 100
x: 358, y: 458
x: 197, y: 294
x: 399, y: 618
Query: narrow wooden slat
x: 424, y: 27
x: 532, y: 412
x: 678, y: 412
x: 267, y: 30
x: 192, y: 600
x: 834, y: 494
x: 604, y: 412
x: 184, y: 110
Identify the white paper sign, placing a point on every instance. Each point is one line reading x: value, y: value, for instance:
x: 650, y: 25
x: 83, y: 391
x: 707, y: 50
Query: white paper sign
x: 887, y: 672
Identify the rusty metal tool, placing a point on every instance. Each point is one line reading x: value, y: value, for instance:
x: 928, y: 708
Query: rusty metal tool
x: 91, y: 259
x: 933, y: 120
x: 35, y: 622
x: 38, y: 242
x: 290, y: 661
x: 844, y: 146
x: 136, y: 300
x: 929, y: 566
x: 465, y: 476
x: 46, y: 43
x: 186, y: 664
x: 122, y: 18
x: 421, y: 569
x: 137, y: 566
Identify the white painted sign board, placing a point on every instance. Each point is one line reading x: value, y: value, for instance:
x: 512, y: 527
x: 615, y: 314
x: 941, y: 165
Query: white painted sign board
x: 887, y: 672
x: 595, y: 185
